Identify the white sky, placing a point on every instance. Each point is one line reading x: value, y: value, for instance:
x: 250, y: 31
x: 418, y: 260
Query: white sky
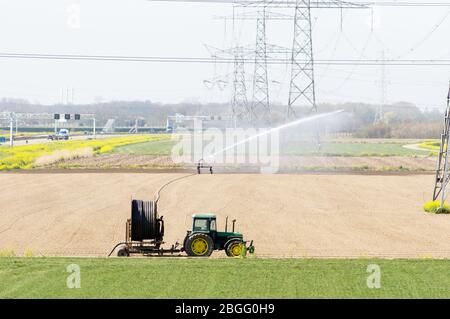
x: 143, y: 28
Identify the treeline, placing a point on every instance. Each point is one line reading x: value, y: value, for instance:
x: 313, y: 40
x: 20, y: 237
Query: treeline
x: 124, y: 112
x: 401, y: 120
x: 400, y: 130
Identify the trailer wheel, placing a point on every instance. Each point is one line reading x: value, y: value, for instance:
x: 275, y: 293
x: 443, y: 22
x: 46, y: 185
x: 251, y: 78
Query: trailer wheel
x: 234, y: 248
x: 199, y: 245
x: 123, y: 252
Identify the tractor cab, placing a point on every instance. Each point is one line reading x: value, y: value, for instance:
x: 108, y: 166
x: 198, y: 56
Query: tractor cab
x: 204, y: 223
x: 204, y: 238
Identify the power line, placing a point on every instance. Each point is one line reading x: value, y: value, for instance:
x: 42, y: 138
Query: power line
x: 361, y: 56
x: 320, y: 4
x: 160, y: 59
x: 427, y: 36
x: 408, y: 4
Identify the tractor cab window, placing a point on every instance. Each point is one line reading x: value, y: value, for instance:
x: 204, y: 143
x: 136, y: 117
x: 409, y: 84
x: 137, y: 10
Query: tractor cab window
x: 212, y: 225
x: 200, y: 225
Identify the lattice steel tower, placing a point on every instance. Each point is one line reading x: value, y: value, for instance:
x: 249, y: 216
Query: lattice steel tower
x: 260, y: 103
x: 239, y: 102
x: 379, y: 113
x: 302, y: 86
x: 442, y: 175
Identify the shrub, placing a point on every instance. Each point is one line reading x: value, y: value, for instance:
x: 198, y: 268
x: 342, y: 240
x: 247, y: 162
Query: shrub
x: 417, y: 130
x: 105, y: 149
x: 7, y: 253
x: 28, y: 253
x: 374, y: 131
x: 434, y: 207
x: 432, y: 145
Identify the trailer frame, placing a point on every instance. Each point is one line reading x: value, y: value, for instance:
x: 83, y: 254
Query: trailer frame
x: 147, y: 247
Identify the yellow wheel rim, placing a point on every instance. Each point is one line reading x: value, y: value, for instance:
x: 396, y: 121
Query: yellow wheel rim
x: 236, y: 250
x: 199, y: 246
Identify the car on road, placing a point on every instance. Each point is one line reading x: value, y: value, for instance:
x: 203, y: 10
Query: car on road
x: 63, y: 134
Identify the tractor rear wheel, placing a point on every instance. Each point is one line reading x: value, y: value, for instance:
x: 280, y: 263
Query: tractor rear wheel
x: 234, y: 248
x: 199, y: 245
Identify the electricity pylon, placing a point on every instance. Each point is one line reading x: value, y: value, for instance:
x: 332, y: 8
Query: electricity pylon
x: 239, y: 102
x: 240, y: 108
x: 379, y: 114
x: 302, y: 86
x: 442, y: 175
x: 260, y: 102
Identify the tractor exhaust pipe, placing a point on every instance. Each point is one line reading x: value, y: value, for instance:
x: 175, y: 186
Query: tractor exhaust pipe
x: 226, y: 224
x: 234, y: 222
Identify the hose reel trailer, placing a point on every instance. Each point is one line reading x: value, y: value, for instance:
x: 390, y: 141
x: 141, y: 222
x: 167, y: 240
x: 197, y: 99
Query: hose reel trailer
x: 144, y: 231
x: 144, y: 234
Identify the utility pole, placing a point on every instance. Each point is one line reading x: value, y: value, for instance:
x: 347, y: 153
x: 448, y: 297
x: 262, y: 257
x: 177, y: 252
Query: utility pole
x: 302, y: 85
x: 442, y: 176
x: 93, y: 127
x: 11, y: 129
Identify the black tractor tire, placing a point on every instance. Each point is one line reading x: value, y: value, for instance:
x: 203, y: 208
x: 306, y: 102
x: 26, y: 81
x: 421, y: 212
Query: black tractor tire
x: 123, y: 252
x: 234, y: 248
x: 199, y: 245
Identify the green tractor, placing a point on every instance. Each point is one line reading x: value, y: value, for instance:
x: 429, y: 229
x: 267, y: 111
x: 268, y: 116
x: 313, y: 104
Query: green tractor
x: 204, y: 238
x: 144, y: 234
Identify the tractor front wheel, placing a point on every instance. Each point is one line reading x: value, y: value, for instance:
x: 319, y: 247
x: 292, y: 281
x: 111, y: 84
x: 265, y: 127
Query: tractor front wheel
x: 199, y: 245
x: 235, y: 248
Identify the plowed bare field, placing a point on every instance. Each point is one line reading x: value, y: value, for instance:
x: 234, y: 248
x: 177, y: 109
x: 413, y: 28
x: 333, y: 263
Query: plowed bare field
x: 287, y: 215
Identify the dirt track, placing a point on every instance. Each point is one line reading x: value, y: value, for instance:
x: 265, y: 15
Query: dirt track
x: 286, y: 215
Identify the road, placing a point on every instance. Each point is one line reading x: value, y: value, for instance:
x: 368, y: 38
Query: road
x: 416, y: 147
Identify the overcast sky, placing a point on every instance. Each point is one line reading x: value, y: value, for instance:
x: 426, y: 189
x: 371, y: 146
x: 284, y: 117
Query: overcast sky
x: 143, y: 28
